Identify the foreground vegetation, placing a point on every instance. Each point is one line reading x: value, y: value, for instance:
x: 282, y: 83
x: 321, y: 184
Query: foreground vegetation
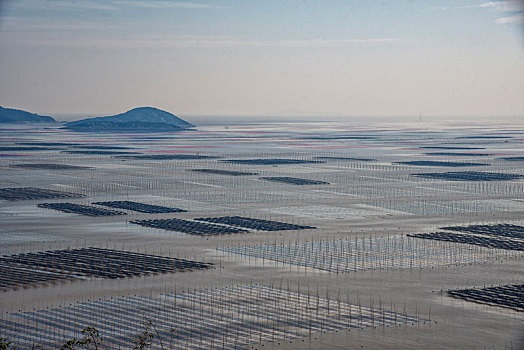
x: 91, y: 339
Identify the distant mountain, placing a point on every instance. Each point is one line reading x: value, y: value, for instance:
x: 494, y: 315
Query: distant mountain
x: 142, y: 118
x: 9, y: 115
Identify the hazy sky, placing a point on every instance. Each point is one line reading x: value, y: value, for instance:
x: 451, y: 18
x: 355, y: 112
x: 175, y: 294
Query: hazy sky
x: 258, y: 57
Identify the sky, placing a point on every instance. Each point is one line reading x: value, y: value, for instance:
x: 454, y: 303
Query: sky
x: 246, y: 58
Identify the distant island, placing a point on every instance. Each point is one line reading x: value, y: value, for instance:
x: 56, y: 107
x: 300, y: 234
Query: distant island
x: 17, y: 116
x: 137, y: 119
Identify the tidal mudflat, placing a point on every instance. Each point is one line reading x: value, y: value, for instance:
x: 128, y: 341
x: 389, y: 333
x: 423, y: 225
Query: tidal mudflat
x: 265, y: 236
